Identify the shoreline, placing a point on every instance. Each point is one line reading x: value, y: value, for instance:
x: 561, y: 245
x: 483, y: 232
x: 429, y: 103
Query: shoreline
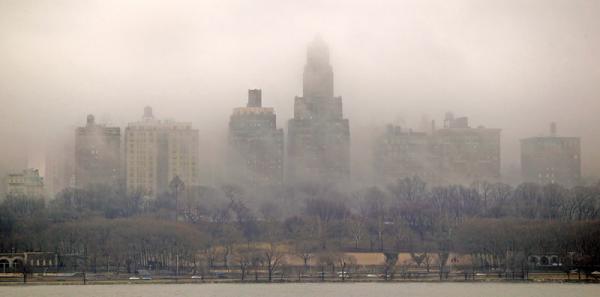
x: 276, y: 282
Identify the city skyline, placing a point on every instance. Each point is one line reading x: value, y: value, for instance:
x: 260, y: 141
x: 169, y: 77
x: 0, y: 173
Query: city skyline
x: 408, y: 147
x: 318, y: 119
x: 470, y: 63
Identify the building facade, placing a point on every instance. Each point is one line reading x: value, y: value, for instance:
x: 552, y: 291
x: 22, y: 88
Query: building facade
x: 157, y: 151
x: 455, y: 153
x: 59, y: 172
x: 27, y: 183
x: 97, y: 154
x: 467, y: 154
x: 255, y: 154
x: 551, y: 159
x: 318, y: 146
x: 36, y: 261
x: 402, y: 153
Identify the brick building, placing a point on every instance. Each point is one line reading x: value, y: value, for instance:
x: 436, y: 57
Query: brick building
x: 551, y: 159
x: 97, y: 154
x: 255, y: 144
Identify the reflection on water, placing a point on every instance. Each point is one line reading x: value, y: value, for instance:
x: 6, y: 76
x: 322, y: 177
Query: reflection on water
x: 325, y: 289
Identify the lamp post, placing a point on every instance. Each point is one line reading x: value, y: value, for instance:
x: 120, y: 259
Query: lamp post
x: 176, y: 185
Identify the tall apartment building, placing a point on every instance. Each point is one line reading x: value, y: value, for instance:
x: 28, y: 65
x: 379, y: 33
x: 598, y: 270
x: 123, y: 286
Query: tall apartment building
x: 400, y: 153
x: 28, y: 183
x: 551, y: 159
x: 255, y: 143
x: 59, y: 172
x: 467, y: 154
x: 455, y: 153
x: 97, y: 154
x: 157, y: 151
x: 318, y: 135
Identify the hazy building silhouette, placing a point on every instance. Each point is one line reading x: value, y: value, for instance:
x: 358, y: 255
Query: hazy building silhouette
x: 156, y: 151
x: 97, y: 154
x: 255, y: 143
x: 59, y: 162
x: 399, y: 153
x: 467, y: 154
x: 551, y: 159
x: 318, y: 146
x: 12, y: 163
x: 455, y: 153
x: 27, y: 183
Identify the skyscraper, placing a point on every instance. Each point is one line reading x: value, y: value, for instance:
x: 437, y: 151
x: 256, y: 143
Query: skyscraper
x: 157, y: 151
x: 97, y: 154
x: 255, y: 143
x: 551, y: 159
x: 318, y: 135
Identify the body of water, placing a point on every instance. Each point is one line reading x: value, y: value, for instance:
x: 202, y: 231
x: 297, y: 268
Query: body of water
x: 298, y: 290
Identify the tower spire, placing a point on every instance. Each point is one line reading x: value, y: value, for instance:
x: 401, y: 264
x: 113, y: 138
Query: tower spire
x: 318, y: 73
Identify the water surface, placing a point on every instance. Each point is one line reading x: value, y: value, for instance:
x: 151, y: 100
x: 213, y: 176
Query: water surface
x: 298, y: 290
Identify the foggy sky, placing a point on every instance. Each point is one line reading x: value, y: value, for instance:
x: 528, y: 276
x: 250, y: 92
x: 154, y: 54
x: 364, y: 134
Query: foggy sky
x: 515, y: 65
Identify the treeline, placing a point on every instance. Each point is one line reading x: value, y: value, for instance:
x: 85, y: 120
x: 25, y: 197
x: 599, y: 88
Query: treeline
x: 497, y: 225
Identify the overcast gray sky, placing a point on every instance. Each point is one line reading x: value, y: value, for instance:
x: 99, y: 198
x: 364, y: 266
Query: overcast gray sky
x: 515, y: 65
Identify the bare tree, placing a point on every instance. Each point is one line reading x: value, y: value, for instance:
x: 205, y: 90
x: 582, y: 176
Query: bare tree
x: 357, y: 228
x: 375, y: 210
x: 325, y: 211
x: 243, y: 257
x: 273, y: 259
x: 389, y: 266
x: 345, y: 262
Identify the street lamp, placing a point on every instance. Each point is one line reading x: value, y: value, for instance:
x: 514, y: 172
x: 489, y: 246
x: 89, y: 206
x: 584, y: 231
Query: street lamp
x: 176, y: 185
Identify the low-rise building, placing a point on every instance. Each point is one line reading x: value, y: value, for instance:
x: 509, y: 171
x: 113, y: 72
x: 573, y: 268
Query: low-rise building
x: 27, y: 183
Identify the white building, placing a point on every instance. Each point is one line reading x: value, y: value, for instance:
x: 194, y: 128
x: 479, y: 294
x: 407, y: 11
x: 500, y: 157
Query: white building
x: 156, y: 151
x: 28, y: 183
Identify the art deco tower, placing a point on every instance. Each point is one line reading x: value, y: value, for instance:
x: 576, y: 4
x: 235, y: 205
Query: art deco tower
x: 318, y: 73
x: 318, y: 135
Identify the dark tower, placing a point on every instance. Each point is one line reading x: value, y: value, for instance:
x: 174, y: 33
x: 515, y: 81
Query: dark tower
x: 255, y: 156
x: 97, y: 154
x: 318, y: 73
x: 319, y: 136
x: 254, y: 98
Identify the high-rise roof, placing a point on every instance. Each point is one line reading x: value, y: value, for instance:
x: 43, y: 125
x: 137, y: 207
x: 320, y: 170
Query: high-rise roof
x: 318, y: 73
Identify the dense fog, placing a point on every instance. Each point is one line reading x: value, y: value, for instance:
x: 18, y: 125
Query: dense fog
x: 277, y: 141
x: 514, y: 65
